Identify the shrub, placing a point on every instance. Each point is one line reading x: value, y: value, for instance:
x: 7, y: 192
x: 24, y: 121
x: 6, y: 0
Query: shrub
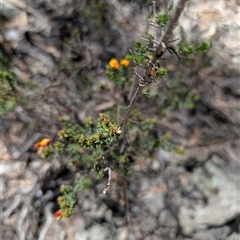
x: 105, y: 145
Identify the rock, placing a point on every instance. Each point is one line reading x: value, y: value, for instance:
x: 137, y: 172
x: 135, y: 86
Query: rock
x: 233, y: 236
x: 218, y: 182
x: 8, y: 11
x: 148, y: 225
x: 98, y: 232
x: 122, y: 234
x: 155, y: 198
x: 213, y: 234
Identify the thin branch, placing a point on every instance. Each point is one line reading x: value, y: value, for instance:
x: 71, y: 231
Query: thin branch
x: 127, y: 114
x: 170, y: 27
x: 155, y: 29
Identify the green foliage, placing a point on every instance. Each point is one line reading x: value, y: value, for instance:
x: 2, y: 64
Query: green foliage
x: 161, y: 72
x: 67, y: 200
x: 92, y: 14
x: 8, y: 98
x: 142, y: 54
x: 165, y: 144
x: 99, y: 171
x: 203, y: 47
x: 162, y: 18
x: 180, y: 96
x: 186, y: 49
x: 83, y: 183
x: 124, y: 164
x: 84, y: 143
x: 104, y: 134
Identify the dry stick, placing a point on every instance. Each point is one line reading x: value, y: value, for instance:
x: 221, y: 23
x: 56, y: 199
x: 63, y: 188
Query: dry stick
x: 158, y: 53
x: 155, y: 29
x: 170, y: 27
x: 129, y: 109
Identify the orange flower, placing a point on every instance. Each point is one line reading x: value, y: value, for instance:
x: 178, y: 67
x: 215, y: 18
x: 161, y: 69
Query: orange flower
x: 114, y: 63
x: 43, y: 143
x: 58, y: 215
x: 124, y: 62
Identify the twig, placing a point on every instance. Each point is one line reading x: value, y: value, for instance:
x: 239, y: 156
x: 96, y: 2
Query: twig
x: 127, y: 114
x: 155, y: 29
x: 171, y: 25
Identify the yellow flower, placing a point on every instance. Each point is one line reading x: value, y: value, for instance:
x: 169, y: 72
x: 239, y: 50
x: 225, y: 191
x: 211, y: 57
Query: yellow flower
x: 114, y: 63
x: 43, y: 143
x: 124, y: 62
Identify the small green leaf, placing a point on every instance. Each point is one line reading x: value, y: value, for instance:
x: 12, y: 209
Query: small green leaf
x: 138, y: 45
x: 204, y: 46
x: 129, y: 57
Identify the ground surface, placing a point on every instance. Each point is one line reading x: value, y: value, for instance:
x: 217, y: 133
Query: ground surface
x: 194, y: 196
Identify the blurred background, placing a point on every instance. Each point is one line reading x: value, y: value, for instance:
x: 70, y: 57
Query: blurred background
x: 57, y: 52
